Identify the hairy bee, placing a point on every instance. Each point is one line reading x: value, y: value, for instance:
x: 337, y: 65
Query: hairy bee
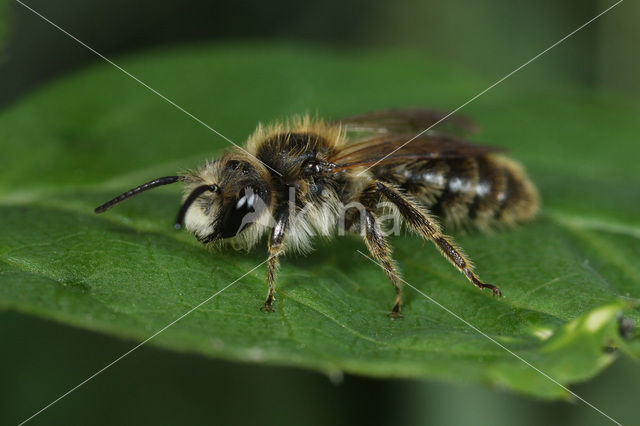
x: 308, y: 177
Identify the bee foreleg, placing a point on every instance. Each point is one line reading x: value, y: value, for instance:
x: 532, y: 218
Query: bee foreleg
x: 428, y: 228
x: 379, y: 248
x: 276, y: 247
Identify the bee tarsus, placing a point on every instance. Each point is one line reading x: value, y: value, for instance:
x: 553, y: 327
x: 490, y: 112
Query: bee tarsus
x: 267, y: 306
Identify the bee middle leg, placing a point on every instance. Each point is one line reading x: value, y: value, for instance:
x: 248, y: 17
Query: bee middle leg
x: 276, y: 248
x: 379, y: 248
x: 424, y: 225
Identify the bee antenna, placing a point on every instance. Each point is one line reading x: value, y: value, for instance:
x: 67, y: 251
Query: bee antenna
x: 137, y: 190
x: 190, y: 199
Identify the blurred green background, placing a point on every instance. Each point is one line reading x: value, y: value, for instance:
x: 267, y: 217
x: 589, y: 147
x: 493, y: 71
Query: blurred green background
x: 489, y: 37
x: 41, y: 360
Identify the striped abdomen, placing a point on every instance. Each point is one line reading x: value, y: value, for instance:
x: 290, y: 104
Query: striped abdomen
x: 481, y: 191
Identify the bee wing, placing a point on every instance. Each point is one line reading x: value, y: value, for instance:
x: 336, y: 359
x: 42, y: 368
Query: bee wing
x: 390, y: 149
x: 410, y: 120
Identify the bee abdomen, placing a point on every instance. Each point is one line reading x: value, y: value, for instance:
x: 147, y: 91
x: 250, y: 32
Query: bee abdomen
x: 502, y: 194
x: 482, y: 192
x: 517, y: 199
x: 458, y: 196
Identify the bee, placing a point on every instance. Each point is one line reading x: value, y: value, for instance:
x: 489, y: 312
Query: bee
x: 307, y: 177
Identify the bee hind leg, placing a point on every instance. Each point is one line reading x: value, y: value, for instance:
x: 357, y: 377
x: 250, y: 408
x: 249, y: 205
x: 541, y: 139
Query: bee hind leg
x: 428, y: 228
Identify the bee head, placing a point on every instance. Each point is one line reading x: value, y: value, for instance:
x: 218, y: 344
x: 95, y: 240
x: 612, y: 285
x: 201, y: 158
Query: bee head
x: 220, y: 201
x: 223, y: 199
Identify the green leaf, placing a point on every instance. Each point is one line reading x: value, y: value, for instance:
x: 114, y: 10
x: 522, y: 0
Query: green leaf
x: 566, y: 278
